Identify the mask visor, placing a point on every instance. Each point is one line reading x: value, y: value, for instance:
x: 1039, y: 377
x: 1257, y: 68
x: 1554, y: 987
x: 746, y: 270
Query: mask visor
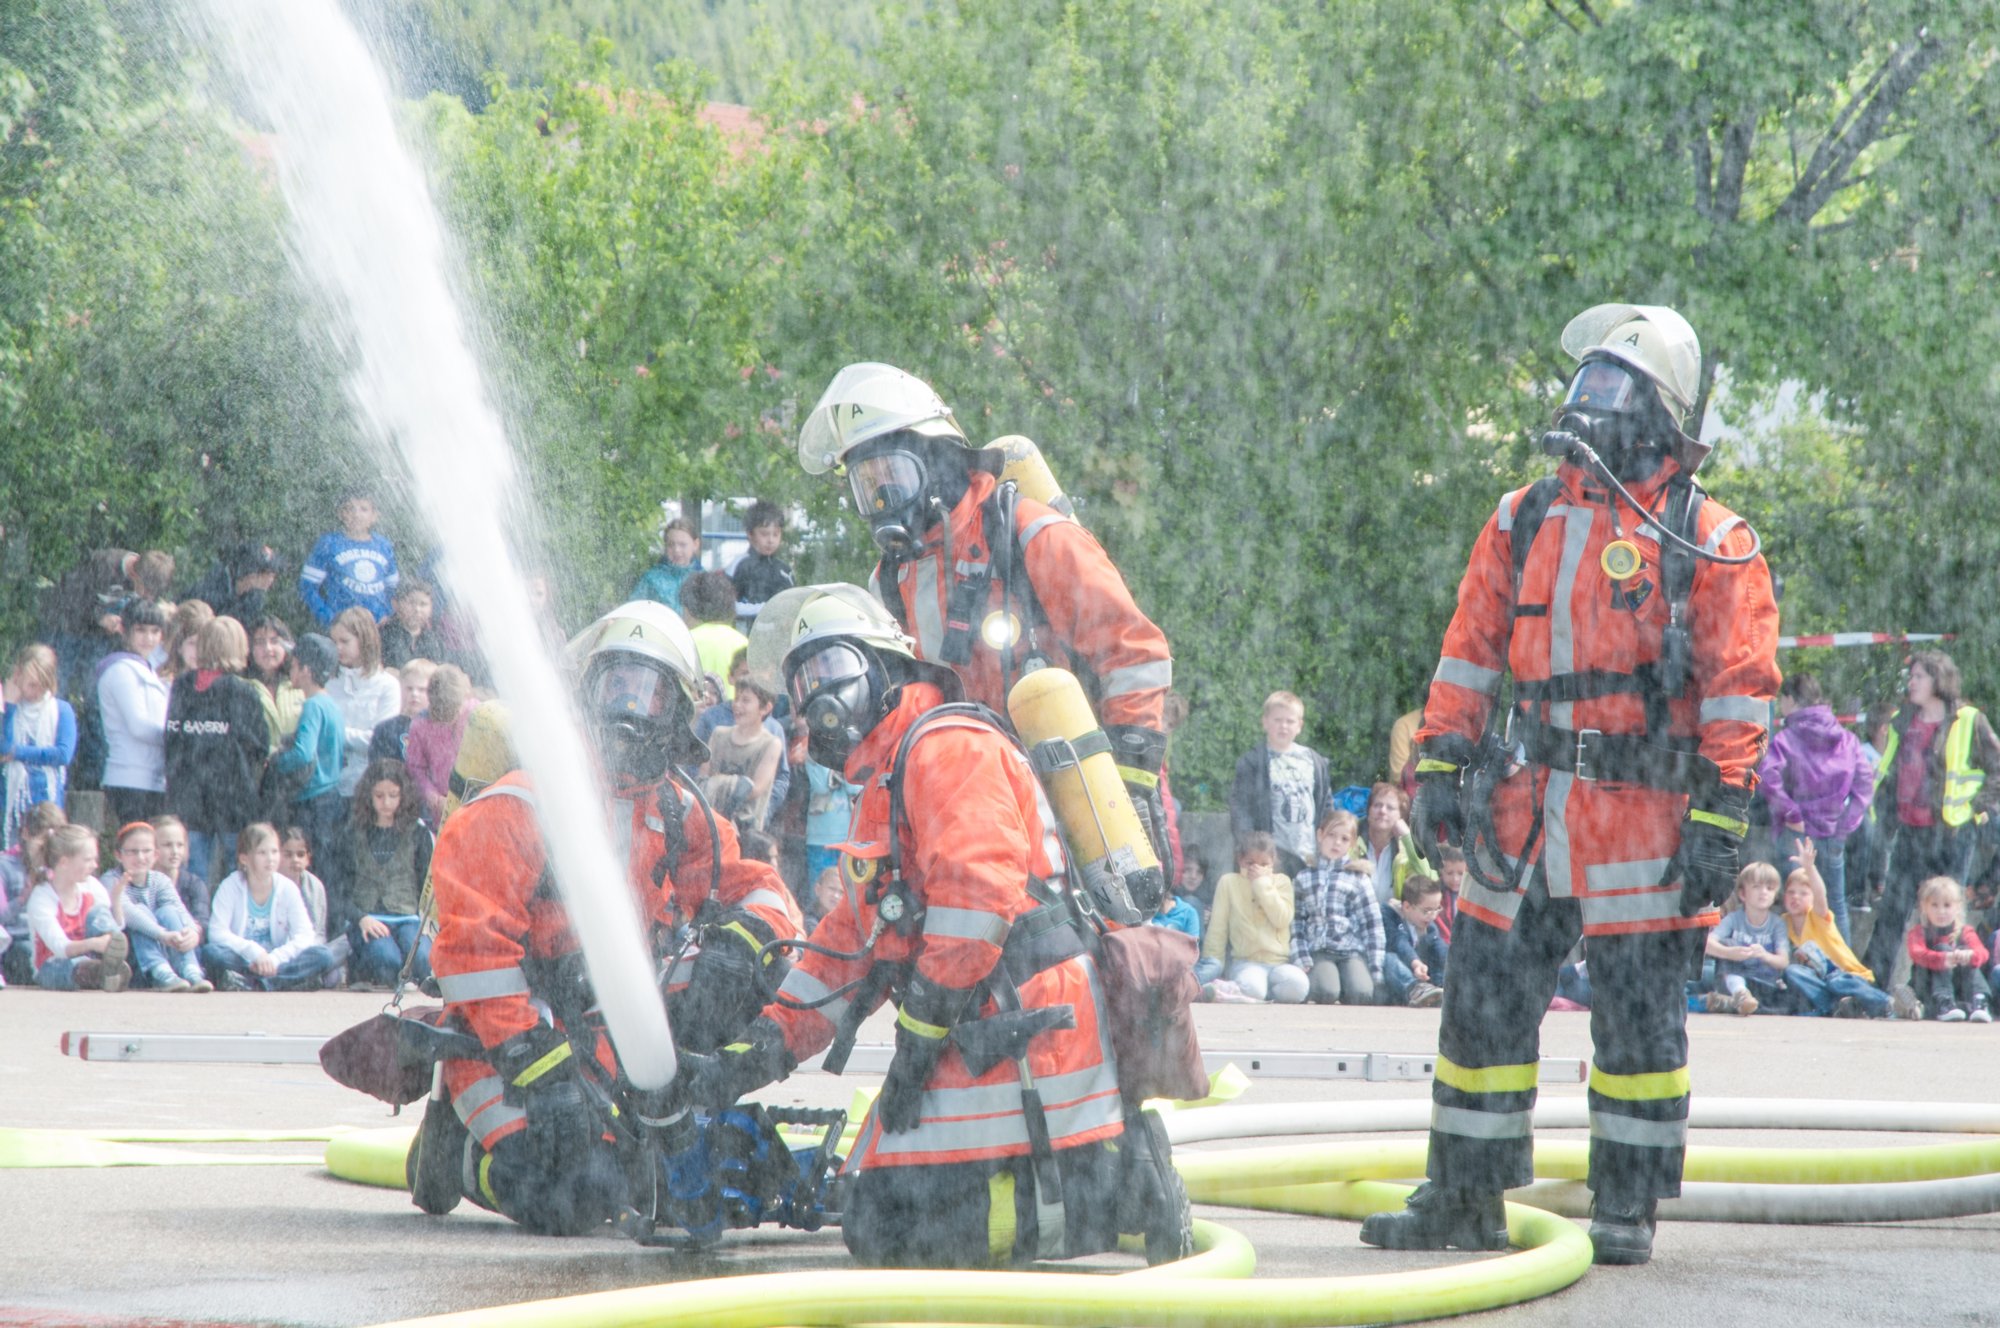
x: 1606, y: 387
x: 888, y: 482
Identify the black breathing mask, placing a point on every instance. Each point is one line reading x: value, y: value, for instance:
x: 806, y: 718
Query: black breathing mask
x: 837, y: 691
x: 1616, y: 412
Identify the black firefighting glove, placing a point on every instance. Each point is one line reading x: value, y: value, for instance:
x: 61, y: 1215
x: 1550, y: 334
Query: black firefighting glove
x: 1711, y: 843
x: 729, y: 982
x: 1140, y: 753
x: 923, y: 1030
x: 714, y: 1081
x: 538, y: 1072
x: 1437, y: 817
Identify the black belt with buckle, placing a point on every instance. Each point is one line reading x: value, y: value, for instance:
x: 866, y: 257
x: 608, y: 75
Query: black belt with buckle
x: 1620, y: 758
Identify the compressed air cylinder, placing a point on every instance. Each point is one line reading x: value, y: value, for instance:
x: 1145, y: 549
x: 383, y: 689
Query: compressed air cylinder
x: 1029, y: 469
x: 1073, y: 758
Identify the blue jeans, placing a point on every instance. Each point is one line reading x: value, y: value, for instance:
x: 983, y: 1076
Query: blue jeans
x: 161, y: 963
x: 212, y: 854
x: 1825, y: 992
x: 301, y: 972
x: 380, y: 961
x: 60, y: 974
x: 1832, y: 865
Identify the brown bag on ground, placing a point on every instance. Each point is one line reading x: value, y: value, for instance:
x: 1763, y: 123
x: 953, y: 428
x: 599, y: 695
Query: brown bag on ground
x: 389, y: 1056
x: 1150, y: 988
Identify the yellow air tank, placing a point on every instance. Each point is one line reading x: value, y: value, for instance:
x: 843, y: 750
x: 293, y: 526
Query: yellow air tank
x: 1073, y: 758
x: 1029, y: 469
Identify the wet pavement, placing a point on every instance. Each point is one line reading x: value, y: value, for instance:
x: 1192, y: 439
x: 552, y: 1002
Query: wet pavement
x: 290, y: 1244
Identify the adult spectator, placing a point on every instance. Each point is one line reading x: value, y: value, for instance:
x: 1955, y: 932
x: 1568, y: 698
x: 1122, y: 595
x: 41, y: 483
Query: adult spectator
x: 217, y: 742
x: 239, y: 583
x: 37, y: 739
x: 1281, y: 787
x: 1403, y: 745
x: 1386, y: 845
x: 132, y: 702
x: 1934, y: 765
x: 708, y: 602
x: 1818, y: 780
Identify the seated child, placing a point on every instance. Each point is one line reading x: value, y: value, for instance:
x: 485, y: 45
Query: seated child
x: 1337, y: 936
x: 389, y: 856
x: 170, y: 859
x: 1749, y: 945
x: 78, y: 925
x: 1250, y: 931
x: 1177, y: 914
x: 295, y: 857
x: 22, y: 868
x: 1824, y: 970
x: 1946, y: 957
x: 1413, y: 968
x: 162, y: 934
x: 260, y: 937
x: 1452, y: 872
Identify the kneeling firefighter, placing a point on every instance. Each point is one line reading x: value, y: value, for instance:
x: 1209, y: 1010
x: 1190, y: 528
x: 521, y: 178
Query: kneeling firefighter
x: 1637, y: 620
x: 1001, y: 1135
x: 716, y: 912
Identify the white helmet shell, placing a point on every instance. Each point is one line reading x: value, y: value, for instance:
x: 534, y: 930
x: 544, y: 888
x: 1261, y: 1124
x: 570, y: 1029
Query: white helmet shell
x: 1650, y: 338
x: 866, y: 401
x: 641, y: 627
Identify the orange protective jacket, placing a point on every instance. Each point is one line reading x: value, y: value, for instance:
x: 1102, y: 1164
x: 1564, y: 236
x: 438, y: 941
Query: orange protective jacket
x: 744, y: 882
x: 975, y: 830
x: 1093, y: 626
x: 1606, y: 844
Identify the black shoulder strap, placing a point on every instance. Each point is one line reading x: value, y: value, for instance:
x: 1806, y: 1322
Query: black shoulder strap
x: 1683, y: 512
x: 1528, y: 514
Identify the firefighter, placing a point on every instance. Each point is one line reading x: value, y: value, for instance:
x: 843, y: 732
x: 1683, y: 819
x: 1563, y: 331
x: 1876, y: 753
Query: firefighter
x: 989, y: 582
x: 715, y: 911
x: 1644, y: 668
x: 999, y: 1135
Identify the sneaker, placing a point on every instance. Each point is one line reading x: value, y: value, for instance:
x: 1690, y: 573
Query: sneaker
x: 231, y: 982
x: 117, y: 976
x: 1717, y: 1002
x: 1847, y: 1007
x: 1950, y: 1012
x: 173, y: 982
x: 1980, y: 1013
x: 1621, y: 1233
x: 200, y: 985
x: 1437, y: 1219
x: 1424, y: 996
x: 1903, y: 1003
x: 1743, y: 1003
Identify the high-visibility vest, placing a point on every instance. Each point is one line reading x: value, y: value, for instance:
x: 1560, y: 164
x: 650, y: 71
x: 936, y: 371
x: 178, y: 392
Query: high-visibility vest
x: 1962, y: 781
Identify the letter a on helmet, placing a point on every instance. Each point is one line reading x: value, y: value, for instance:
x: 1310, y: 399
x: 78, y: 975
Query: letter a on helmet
x: 867, y: 401
x: 1655, y: 341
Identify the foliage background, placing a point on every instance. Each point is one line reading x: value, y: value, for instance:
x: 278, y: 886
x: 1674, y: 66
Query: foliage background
x: 1276, y: 287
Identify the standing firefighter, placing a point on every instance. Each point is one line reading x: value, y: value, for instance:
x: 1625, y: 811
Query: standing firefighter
x: 1638, y: 622
x: 988, y: 581
x: 1000, y: 1135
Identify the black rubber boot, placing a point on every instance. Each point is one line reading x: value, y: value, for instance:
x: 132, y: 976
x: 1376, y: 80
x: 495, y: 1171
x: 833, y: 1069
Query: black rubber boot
x: 1621, y: 1231
x: 1437, y: 1219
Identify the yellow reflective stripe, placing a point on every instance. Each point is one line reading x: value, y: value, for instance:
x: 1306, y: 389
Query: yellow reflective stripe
x: 1427, y: 766
x: 919, y: 1027
x: 1734, y: 827
x: 1491, y: 1079
x: 486, y: 1181
x: 542, y: 1066
x: 1660, y: 1086
x: 1000, y: 1217
x: 1134, y: 775
x: 750, y: 938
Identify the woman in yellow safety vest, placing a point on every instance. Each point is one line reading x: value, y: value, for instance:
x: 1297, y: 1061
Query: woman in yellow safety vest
x: 1929, y: 788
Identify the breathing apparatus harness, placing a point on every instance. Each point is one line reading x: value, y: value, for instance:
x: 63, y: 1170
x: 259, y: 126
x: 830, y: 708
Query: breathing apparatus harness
x: 1655, y: 759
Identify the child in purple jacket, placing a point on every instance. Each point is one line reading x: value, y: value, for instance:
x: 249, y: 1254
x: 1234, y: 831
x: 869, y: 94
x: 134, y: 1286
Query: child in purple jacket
x: 1818, y: 779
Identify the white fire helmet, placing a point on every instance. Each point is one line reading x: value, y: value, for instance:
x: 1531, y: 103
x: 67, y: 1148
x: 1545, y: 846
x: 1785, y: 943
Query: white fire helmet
x: 1655, y: 341
x: 867, y: 401
x: 638, y: 665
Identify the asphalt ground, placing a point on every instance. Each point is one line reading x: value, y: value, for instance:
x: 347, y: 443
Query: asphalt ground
x: 293, y: 1245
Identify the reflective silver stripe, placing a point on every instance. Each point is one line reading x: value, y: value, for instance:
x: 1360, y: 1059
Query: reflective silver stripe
x: 1555, y: 834
x: 1577, y: 522
x: 1464, y: 673
x: 1469, y: 1124
x: 1714, y: 540
x: 763, y: 897
x: 806, y: 989
x: 1503, y: 515
x: 1505, y: 903
x: 1638, y: 1133
x: 1639, y: 874
x: 928, y: 618
x: 1004, y: 1131
x: 1137, y: 678
x: 483, y: 1108
x: 995, y: 1099
x: 1639, y: 906
x: 1036, y: 527
x: 965, y: 924
x: 505, y: 791
x: 484, y: 985
x: 1750, y: 709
